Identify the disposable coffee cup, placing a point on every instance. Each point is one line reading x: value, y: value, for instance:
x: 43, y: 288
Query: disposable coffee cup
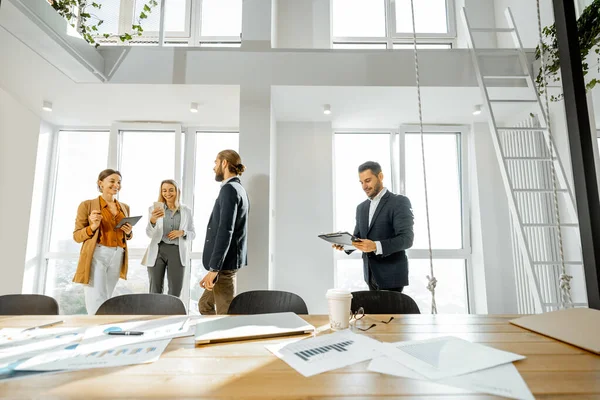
x: 338, y: 301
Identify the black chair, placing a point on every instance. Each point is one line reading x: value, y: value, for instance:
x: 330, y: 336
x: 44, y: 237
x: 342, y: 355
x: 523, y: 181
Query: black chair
x: 266, y: 302
x: 142, y: 304
x: 383, y: 302
x: 28, y: 304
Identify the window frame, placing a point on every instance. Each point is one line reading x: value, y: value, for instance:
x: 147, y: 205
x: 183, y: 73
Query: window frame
x: 398, y: 177
x: 392, y: 37
x: 191, y: 36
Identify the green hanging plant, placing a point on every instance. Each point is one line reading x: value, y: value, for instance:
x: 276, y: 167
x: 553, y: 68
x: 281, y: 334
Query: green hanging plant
x: 80, y: 15
x: 588, y: 27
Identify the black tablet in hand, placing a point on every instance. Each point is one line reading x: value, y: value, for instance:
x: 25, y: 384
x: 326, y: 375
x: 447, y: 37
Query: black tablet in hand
x: 128, y: 220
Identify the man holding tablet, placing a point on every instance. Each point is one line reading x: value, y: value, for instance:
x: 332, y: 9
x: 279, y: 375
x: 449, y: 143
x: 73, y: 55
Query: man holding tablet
x: 384, y: 230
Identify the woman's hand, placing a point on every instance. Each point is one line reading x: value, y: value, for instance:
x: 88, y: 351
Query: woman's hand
x: 175, y: 234
x: 94, y: 219
x: 156, y: 214
x: 127, y: 228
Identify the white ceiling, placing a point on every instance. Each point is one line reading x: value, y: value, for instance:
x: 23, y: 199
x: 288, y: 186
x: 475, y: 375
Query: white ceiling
x: 387, y: 107
x: 30, y: 80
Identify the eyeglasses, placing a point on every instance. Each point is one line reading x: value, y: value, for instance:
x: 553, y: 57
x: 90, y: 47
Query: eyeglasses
x: 360, y: 314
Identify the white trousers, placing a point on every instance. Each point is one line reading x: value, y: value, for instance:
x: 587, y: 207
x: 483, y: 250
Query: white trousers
x: 104, y: 275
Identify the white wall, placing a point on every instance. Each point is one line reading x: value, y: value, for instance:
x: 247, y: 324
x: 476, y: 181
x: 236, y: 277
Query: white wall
x: 525, y: 15
x: 492, y: 260
x: 304, y: 24
x: 19, y: 131
x: 481, y: 14
x: 304, y: 209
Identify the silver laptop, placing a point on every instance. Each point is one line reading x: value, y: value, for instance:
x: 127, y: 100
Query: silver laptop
x: 244, y: 327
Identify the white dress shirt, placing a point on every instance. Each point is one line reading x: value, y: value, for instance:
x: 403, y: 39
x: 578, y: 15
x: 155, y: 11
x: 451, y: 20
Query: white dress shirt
x: 372, y: 208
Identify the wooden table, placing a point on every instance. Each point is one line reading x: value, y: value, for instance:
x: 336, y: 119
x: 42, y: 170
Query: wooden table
x: 553, y: 370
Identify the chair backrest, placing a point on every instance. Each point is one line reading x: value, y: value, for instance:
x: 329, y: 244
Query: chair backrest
x: 142, y: 304
x: 383, y: 302
x: 28, y: 304
x: 266, y: 302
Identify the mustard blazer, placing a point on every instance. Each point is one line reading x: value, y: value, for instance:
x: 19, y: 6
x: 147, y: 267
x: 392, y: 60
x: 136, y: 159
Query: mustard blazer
x: 82, y: 275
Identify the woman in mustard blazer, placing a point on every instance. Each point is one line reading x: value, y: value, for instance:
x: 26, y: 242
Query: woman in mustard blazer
x: 103, y: 257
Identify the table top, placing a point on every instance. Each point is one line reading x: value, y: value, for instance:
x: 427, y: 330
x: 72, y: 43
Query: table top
x: 552, y: 370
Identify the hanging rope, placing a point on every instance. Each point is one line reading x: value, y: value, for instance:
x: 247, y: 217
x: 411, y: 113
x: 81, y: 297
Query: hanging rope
x: 431, y: 277
x: 564, y: 278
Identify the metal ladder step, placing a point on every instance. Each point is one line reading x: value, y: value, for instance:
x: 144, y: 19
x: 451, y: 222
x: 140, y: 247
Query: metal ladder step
x: 539, y: 190
x: 557, y: 263
x: 506, y: 76
x: 512, y: 101
x: 530, y: 158
x: 518, y: 128
x: 492, y: 30
x: 550, y: 225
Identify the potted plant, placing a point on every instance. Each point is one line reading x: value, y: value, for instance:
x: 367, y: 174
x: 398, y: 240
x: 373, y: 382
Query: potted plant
x: 588, y: 26
x: 80, y: 15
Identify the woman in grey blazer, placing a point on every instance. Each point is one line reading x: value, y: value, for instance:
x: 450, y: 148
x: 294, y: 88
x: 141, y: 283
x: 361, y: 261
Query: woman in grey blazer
x: 171, y: 231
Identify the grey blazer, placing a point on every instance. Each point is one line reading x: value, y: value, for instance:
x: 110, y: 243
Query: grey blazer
x: 226, y: 245
x: 392, y: 225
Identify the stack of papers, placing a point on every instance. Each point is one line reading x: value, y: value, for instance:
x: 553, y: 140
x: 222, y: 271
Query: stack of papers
x: 64, y: 349
x: 455, y: 362
x: 446, y: 360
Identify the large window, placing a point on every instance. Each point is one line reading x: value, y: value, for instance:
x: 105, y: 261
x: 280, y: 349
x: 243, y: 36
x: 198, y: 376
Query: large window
x: 399, y: 154
x: 80, y: 156
x: 206, y: 190
x: 376, y: 24
x: 186, y: 22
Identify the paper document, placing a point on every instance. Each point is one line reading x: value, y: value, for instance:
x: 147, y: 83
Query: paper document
x: 447, y: 356
x: 503, y: 380
x: 71, y: 358
x: 328, y: 352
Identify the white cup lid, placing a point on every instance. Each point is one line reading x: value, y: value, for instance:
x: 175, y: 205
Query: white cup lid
x: 339, y: 294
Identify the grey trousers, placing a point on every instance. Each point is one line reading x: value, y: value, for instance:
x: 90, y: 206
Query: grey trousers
x: 167, y: 259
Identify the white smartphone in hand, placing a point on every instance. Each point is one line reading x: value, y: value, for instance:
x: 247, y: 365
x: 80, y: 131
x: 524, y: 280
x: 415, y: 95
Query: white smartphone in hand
x: 158, y: 205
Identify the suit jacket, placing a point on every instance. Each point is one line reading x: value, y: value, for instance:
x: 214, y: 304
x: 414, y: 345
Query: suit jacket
x: 392, y: 225
x: 226, y: 245
x: 82, y: 274
x: 155, y: 233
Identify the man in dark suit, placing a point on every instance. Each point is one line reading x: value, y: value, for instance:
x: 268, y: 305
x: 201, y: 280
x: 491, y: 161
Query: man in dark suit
x: 225, y: 249
x: 384, y: 225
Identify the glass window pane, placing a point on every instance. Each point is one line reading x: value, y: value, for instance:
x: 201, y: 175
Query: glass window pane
x: 422, y: 46
x: 430, y: 16
x: 359, y: 18
x: 206, y: 189
x: 359, y: 46
x: 142, y: 174
x: 351, y: 150
x: 109, y: 13
x: 137, y: 279
x: 176, y: 16
x: 76, y: 176
x: 196, y: 291
x: 59, y: 285
x: 35, y: 218
x: 221, y: 18
x: 451, y: 291
x: 443, y: 186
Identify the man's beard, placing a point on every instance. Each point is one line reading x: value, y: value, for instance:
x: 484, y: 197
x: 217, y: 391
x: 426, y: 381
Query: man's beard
x: 219, y: 177
x: 377, y: 188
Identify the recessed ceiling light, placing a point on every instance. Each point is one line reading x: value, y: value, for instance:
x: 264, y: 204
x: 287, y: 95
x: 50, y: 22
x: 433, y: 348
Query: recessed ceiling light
x: 47, y: 106
x: 326, y: 109
x: 477, y: 109
x: 194, y: 107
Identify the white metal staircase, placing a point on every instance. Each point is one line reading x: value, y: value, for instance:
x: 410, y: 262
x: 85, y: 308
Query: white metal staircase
x: 526, y: 153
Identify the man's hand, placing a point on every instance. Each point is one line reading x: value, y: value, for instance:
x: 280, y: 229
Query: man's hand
x: 338, y: 247
x: 175, y: 234
x: 207, y: 281
x: 365, y: 245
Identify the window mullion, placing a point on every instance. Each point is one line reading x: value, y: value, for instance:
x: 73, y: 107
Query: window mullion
x: 390, y: 19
